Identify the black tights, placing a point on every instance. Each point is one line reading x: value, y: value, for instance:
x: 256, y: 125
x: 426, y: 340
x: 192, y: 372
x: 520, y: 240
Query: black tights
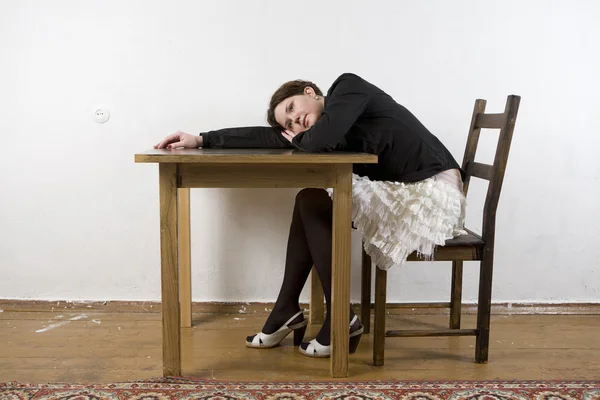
x: 309, y: 244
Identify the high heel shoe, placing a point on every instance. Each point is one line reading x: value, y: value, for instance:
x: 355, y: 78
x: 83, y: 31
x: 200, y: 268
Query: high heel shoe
x: 316, y: 349
x: 267, y: 341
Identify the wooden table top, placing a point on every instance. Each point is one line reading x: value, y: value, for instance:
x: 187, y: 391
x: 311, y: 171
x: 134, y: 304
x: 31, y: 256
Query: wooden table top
x: 251, y: 156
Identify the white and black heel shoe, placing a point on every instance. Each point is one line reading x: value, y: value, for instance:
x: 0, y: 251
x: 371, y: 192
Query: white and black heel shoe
x: 267, y: 341
x: 316, y: 349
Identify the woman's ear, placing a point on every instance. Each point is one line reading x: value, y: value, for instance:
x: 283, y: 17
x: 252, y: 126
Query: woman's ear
x: 309, y: 91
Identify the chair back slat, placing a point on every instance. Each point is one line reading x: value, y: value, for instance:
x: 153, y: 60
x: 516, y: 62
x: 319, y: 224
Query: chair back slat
x: 490, y: 121
x: 479, y: 170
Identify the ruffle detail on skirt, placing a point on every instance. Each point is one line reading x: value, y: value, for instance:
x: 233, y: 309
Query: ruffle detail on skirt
x: 396, y: 219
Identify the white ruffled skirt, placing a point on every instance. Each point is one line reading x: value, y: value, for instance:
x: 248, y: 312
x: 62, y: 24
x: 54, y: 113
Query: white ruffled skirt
x: 396, y: 219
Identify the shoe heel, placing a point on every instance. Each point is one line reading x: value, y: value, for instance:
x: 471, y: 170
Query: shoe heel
x: 299, y: 335
x: 354, y: 340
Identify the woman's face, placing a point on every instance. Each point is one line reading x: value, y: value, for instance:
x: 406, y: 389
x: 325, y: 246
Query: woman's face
x: 298, y: 113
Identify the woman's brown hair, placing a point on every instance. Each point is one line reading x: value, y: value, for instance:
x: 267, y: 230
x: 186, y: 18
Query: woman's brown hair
x: 288, y: 89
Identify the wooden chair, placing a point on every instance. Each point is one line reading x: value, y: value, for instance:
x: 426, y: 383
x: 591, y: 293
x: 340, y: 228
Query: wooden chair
x: 471, y: 247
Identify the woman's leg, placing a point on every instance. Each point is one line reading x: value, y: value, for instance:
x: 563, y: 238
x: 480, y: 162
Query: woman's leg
x: 298, y: 264
x: 316, y: 209
x: 309, y: 243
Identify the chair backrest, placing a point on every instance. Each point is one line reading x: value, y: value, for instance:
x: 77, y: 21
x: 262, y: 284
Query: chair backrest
x: 493, y: 173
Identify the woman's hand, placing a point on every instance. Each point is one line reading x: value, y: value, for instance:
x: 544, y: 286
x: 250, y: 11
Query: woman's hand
x: 289, y: 135
x: 180, y: 139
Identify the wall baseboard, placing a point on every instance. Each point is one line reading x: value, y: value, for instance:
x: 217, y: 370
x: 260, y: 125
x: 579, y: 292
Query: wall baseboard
x: 265, y: 308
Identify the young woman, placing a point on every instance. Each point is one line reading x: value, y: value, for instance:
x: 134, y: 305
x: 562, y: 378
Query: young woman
x: 411, y: 200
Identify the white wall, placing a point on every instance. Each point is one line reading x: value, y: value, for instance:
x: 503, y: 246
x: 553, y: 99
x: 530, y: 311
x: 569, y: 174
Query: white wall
x: 79, y: 220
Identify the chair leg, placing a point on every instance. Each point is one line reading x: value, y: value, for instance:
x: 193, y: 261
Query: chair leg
x: 484, y: 306
x: 456, y: 295
x: 379, y: 322
x: 365, y: 292
x: 316, y: 307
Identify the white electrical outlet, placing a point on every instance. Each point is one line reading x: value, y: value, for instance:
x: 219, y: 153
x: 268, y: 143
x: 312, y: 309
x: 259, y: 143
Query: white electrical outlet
x: 101, y: 115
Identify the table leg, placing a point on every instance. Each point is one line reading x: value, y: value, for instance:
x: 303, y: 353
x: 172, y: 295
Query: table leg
x: 340, y: 274
x: 185, y: 259
x: 171, y: 338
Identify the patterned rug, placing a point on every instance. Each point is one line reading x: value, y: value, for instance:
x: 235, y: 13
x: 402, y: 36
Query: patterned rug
x: 190, y: 389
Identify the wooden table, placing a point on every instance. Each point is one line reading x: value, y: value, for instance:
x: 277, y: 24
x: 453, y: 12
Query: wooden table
x: 182, y: 169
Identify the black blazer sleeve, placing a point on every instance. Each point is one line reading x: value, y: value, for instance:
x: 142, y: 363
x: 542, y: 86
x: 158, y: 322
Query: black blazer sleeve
x: 345, y: 102
x: 251, y: 137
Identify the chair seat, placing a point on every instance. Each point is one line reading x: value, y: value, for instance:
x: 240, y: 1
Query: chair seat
x: 471, y: 239
x: 463, y: 247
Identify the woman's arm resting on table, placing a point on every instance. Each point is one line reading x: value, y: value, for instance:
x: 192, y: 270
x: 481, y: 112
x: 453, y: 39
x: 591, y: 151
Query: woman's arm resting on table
x: 180, y: 139
x: 242, y: 138
x: 251, y: 137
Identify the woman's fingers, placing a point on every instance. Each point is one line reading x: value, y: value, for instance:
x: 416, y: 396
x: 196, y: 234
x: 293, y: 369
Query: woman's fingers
x: 176, y: 140
x: 176, y: 145
x: 287, y: 135
x: 169, y: 139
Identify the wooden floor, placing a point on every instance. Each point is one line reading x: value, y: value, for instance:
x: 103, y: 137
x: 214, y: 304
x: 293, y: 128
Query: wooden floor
x: 95, y: 347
